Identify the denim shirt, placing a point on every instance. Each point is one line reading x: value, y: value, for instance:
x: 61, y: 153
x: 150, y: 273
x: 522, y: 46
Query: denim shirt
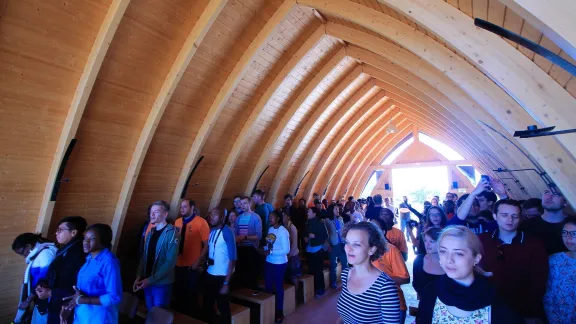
x: 100, y: 277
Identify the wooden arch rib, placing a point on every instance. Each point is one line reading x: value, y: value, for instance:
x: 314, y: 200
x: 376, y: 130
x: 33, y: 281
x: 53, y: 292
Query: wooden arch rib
x: 232, y: 157
x: 555, y: 19
x: 345, y: 162
x: 337, y: 121
x: 353, y: 76
x: 200, y: 29
x: 83, y: 90
x: 409, y: 99
x: 529, y: 85
x: 546, y: 151
x: 403, y: 98
x: 385, y: 144
x: 367, y: 110
x: 452, y: 95
x: 305, y: 93
x: 375, y: 60
x: 224, y: 94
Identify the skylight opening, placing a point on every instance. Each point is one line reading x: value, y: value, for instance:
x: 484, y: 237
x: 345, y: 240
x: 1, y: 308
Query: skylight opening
x: 440, y: 147
x: 396, y: 152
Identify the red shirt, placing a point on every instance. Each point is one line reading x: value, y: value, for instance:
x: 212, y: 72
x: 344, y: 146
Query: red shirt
x: 520, y: 271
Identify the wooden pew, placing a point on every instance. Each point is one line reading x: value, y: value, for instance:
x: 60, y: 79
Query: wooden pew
x: 289, y: 297
x: 307, y: 287
x: 261, y: 304
x: 240, y: 314
x: 180, y: 318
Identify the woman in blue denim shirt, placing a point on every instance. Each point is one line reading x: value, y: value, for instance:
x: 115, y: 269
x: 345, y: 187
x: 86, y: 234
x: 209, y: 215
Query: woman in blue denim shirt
x: 99, y: 289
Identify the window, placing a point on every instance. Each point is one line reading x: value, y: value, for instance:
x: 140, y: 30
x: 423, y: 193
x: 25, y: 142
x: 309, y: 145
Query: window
x: 440, y: 147
x: 369, y: 187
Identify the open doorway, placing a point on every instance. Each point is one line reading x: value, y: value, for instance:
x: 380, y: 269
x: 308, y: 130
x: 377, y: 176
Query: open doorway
x: 419, y: 184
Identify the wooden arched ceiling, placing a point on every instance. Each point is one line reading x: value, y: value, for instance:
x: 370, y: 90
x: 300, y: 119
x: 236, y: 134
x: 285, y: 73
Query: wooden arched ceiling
x: 297, y: 86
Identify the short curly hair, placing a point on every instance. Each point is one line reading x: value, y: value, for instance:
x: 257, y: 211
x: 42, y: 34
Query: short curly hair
x: 375, y: 237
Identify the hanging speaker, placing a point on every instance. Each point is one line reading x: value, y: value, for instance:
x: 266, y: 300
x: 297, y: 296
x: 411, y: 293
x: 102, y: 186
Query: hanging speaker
x: 455, y: 185
x: 386, y: 186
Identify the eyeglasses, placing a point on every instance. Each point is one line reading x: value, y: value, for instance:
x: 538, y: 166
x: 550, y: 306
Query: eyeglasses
x: 571, y: 234
x: 60, y: 230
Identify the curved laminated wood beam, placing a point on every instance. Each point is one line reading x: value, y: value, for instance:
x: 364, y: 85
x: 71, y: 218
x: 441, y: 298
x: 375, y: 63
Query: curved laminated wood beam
x: 304, y: 94
x: 366, y: 139
x: 196, y: 36
x: 558, y: 163
x: 241, y: 139
x: 555, y: 19
x: 403, y: 100
x: 304, y: 132
x: 536, y: 91
x: 390, y: 143
x: 224, y: 94
x: 498, y: 146
x: 366, y: 111
x: 337, y: 121
x: 85, y: 84
x: 402, y: 93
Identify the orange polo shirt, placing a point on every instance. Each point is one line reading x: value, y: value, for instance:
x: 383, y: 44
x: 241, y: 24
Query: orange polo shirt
x: 396, y: 237
x: 197, y: 231
x: 392, y: 264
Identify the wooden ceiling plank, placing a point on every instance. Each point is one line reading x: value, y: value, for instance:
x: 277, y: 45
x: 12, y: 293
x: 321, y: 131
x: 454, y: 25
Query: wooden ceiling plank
x: 304, y: 94
x: 558, y: 162
x: 536, y: 91
x: 496, y: 147
x: 85, y: 84
x: 304, y: 132
x: 338, y: 120
x: 496, y: 12
x: 242, y: 137
x: 433, y: 77
x: 224, y: 94
x: 553, y: 18
x: 385, y: 144
x: 195, y: 37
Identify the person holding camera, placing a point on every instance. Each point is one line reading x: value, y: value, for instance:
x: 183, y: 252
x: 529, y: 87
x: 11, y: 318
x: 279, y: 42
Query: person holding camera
x: 221, y: 262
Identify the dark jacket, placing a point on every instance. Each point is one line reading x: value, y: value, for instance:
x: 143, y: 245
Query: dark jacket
x: 520, y: 271
x: 166, y: 257
x: 317, y: 227
x: 62, y: 276
x: 479, y: 295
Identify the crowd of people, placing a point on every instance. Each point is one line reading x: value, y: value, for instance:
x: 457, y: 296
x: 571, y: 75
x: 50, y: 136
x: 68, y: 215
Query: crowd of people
x: 481, y: 258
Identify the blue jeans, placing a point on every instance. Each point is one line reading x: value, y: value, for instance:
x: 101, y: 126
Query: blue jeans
x: 158, y: 296
x: 402, y: 317
x: 337, y: 251
x: 274, y: 280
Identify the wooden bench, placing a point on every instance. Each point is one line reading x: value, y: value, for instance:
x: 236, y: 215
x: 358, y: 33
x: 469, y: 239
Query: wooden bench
x: 289, y: 297
x: 240, y: 314
x: 307, y: 287
x: 261, y: 304
x: 180, y: 318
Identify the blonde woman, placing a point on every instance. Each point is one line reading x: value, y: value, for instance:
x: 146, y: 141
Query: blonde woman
x: 464, y: 294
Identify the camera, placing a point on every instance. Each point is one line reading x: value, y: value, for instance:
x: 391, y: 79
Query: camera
x: 412, y: 223
x: 210, y: 262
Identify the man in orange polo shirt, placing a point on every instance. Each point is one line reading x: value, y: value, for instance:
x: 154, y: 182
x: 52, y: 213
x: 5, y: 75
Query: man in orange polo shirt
x: 194, y: 231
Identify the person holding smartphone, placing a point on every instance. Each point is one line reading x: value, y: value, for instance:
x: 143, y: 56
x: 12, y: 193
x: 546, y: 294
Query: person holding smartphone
x: 464, y: 217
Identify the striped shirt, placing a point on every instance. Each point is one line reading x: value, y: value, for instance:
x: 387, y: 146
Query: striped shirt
x: 379, y: 304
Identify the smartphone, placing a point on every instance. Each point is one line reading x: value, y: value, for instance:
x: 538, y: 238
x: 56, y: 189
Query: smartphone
x: 487, y: 178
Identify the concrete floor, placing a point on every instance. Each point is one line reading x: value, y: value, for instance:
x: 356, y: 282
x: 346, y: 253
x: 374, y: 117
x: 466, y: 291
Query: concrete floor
x: 323, y: 310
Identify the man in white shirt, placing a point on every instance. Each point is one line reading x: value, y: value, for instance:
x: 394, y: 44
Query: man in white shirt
x: 221, y: 262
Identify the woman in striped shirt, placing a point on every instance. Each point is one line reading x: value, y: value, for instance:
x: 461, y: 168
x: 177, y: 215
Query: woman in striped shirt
x: 368, y: 295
